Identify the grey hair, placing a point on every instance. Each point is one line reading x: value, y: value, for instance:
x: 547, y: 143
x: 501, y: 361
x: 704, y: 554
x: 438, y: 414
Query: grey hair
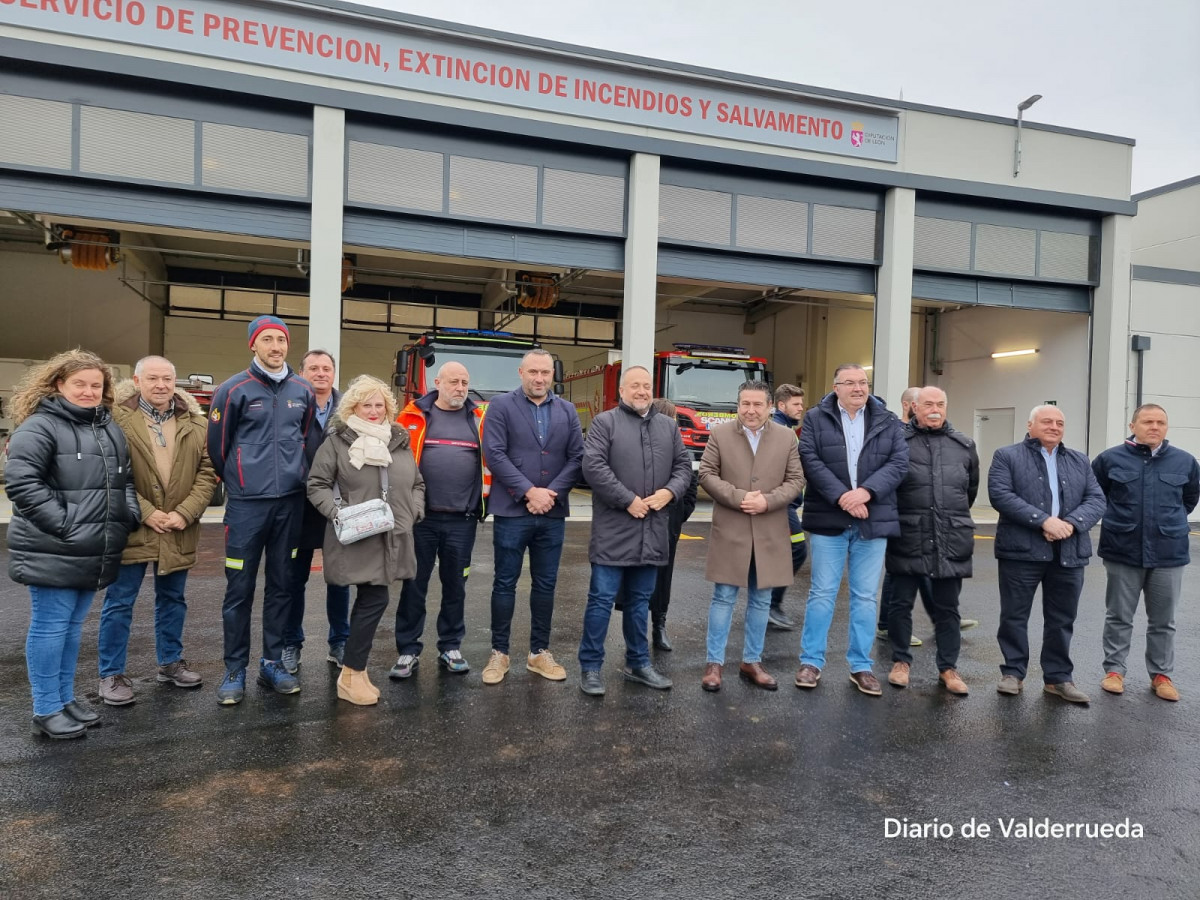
x: 137, y: 368
x: 909, y: 396
x: 1037, y: 409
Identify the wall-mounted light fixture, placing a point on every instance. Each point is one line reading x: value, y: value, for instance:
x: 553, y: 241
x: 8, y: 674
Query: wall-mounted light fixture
x: 1007, y: 353
x: 1021, y: 107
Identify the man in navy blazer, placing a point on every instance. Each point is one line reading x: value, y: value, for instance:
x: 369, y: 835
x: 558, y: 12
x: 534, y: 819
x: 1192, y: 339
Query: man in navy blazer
x: 534, y: 448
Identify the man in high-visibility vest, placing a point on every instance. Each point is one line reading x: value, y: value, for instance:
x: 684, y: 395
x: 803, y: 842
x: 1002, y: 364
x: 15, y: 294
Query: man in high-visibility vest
x: 444, y: 427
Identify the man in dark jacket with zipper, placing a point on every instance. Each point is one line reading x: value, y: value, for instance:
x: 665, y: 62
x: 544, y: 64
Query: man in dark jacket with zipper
x: 636, y: 464
x: 937, y: 537
x: 261, y: 439
x: 854, y: 458
x: 444, y: 429
x: 1048, y: 500
x: 1150, y: 488
x: 319, y: 369
x: 533, y: 446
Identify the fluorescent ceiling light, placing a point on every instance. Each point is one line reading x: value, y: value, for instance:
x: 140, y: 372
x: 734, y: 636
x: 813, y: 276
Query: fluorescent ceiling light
x: 1007, y: 353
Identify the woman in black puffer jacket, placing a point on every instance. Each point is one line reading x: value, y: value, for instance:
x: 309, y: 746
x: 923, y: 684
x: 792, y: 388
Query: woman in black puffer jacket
x: 74, y: 507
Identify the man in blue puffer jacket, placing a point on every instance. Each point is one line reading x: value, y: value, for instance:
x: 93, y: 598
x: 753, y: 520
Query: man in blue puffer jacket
x: 1150, y: 488
x: 854, y: 457
x: 1048, y: 499
x: 261, y: 439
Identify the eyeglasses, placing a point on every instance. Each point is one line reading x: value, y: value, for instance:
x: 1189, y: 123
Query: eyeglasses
x: 159, y: 437
x: 853, y: 383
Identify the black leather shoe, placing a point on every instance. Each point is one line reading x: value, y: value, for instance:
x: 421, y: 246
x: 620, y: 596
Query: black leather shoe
x: 592, y: 683
x: 648, y: 676
x: 82, y: 713
x: 659, y: 633
x: 58, y: 726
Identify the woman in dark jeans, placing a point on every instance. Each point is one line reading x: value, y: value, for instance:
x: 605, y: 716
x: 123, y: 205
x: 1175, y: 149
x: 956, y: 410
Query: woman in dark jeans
x: 74, y: 507
x: 362, y: 440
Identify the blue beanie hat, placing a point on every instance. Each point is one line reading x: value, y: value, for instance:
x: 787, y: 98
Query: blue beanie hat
x: 262, y: 323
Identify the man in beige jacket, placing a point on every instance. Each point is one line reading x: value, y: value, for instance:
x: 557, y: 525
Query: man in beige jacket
x: 166, y: 431
x: 752, y: 471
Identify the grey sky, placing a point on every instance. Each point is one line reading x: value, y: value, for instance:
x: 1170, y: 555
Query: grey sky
x: 1114, y: 66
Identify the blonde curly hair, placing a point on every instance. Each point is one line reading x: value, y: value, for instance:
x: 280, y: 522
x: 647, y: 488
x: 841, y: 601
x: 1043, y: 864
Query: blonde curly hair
x: 359, y: 390
x: 42, y: 381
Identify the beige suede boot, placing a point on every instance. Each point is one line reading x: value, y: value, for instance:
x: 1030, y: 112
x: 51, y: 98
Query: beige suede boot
x: 354, y: 687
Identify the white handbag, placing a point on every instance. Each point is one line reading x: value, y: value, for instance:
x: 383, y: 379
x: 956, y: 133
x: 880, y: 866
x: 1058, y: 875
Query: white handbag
x: 353, y: 523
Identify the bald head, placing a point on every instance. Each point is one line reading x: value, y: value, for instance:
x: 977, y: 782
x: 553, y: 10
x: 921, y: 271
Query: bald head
x: 637, y: 389
x: 452, y: 383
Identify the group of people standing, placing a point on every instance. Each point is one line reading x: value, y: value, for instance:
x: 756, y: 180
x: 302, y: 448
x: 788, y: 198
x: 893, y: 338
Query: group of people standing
x: 885, y: 494
x: 107, y: 480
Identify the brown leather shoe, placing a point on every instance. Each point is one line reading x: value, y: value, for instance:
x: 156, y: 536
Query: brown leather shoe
x: 866, y: 682
x: 807, y: 676
x: 758, y: 676
x: 953, y: 682
x: 898, y: 677
x: 712, y: 677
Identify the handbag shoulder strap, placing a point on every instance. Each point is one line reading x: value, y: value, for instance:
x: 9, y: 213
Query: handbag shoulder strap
x: 383, y: 484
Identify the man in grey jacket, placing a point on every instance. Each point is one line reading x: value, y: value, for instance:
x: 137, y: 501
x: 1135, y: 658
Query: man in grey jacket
x: 636, y: 464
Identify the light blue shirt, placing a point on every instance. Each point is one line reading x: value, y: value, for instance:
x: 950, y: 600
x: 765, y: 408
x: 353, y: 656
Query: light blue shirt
x: 541, y: 417
x: 753, y: 437
x: 855, y: 430
x: 1052, y: 473
x: 323, y: 414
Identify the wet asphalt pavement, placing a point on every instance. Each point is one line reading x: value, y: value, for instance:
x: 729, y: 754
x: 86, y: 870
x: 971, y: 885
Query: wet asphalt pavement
x: 449, y: 789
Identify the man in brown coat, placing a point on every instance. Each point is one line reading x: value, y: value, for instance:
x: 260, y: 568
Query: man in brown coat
x: 174, y: 479
x: 752, y: 471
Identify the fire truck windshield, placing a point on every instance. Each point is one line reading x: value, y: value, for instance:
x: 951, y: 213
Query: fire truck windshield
x: 708, y: 384
x: 492, y: 371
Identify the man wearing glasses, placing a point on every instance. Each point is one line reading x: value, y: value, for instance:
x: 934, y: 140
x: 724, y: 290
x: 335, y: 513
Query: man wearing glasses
x: 854, y: 457
x: 174, y: 480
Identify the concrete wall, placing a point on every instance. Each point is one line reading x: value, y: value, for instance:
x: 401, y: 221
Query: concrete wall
x: 973, y: 380
x: 1166, y: 230
x: 1166, y: 234
x: 49, y: 307
x: 951, y: 147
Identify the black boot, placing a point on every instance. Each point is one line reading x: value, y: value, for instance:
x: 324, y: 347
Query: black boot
x: 659, y: 634
x: 58, y: 725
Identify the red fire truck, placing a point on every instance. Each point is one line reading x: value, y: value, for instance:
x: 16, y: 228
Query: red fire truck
x: 491, y: 358
x: 701, y: 380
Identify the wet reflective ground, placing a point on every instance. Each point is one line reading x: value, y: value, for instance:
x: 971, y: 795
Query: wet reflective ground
x: 531, y: 789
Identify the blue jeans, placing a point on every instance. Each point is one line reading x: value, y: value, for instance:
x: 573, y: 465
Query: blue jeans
x: 337, y: 604
x: 511, y: 537
x: 638, y: 582
x: 829, y: 556
x: 116, y: 616
x: 449, y: 540
x: 52, y: 645
x: 720, y: 618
